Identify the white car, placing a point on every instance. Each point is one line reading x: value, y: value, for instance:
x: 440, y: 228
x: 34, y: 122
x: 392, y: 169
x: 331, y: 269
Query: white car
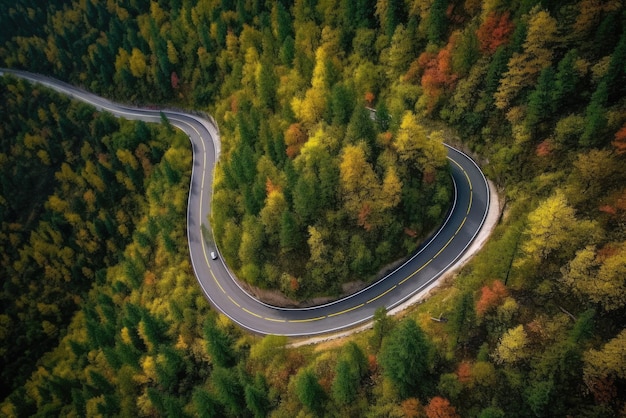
x: 213, y: 255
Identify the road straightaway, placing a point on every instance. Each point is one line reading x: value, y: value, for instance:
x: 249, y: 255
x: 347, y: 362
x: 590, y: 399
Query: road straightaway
x: 433, y: 258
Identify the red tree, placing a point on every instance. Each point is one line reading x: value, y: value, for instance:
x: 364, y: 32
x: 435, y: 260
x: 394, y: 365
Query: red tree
x: 495, y: 31
x: 175, y: 80
x: 544, y: 149
x: 439, y: 407
x: 464, y: 372
x: 271, y: 187
x: 295, y: 137
x: 363, y: 216
x: 491, y: 297
x: 438, y: 77
x: 411, y: 408
x: 620, y: 141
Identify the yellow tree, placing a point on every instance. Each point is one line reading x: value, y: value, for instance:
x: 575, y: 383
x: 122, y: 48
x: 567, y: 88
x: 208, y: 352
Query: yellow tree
x: 524, y: 67
x: 602, y: 367
x: 310, y: 109
x: 610, y: 361
x: 512, y: 347
x: 251, y: 64
x: 317, y: 247
x: 121, y: 60
x: 593, y: 172
x: 598, y: 277
x: 415, y: 148
x: 271, y: 214
x: 392, y: 188
x: 172, y: 53
x: 553, y: 228
x: 359, y: 184
x: 366, y: 198
x: 137, y: 63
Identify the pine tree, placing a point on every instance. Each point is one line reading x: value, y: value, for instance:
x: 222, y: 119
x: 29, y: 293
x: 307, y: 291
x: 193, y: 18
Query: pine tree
x: 219, y: 344
x: 309, y: 391
x: 405, y: 359
x: 437, y: 22
x: 595, y: 117
x: 540, y: 101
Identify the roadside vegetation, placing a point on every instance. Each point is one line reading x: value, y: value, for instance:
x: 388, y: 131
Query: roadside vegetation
x: 533, y: 326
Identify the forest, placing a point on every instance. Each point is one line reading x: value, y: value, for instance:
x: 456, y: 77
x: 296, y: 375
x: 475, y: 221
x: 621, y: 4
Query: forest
x: 101, y: 314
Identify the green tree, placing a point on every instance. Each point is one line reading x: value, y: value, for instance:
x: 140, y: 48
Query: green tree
x: 356, y: 358
x: 309, y: 391
x: 361, y: 256
x: 342, y: 101
x: 616, y: 74
x: 290, y: 234
x: 538, y: 397
x: 229, y: 390
x: 595, y: 117
x: 219, y: 344
x: 349, y: 372
x: 266, y: 84
x: 305, y: 198
x: 492, y: 412
x: 256, y: 397
x: 361, y: 128
x: 593, y: 172
x: 466, y: 51
x: 252, y: 240
x: 566, y: 79
x: 450, y: 386
x: 401, y: 53
x: 405, y: 357
x: 540, y: 101
x: 464, y: 317
x: 383, y: 324
x: 390, y: 14
x: 345, y: 384
x: 437, y: 22
x: 525, y: 67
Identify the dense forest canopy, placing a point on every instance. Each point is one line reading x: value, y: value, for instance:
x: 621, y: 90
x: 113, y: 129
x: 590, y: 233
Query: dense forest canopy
x: 73, y: 191
x: 534, y: 88
x: 313, y: 190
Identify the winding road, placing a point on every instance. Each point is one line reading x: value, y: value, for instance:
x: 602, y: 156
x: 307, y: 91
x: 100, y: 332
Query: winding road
x: 434, y: 257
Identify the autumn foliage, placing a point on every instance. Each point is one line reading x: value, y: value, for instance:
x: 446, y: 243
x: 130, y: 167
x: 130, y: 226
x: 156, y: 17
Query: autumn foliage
x: 271, y: 187
x: 464, y: 372
x: 495, y: 31
x: 491, y: 297
x: 412, y: 408
x: 313, y: 192
x: 174, y: 80
x: 437, y: 77
x: 544, y: 149
x: 439, y: 407
x: 295, y: 137
x: 620, y: 141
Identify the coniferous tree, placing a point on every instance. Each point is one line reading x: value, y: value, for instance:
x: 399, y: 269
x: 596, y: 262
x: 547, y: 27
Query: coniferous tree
x: 405, y: 357
x: 219, y: 345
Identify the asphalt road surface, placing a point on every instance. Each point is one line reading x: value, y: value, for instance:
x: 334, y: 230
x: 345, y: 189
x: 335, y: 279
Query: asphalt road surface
x: 432, y: 259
